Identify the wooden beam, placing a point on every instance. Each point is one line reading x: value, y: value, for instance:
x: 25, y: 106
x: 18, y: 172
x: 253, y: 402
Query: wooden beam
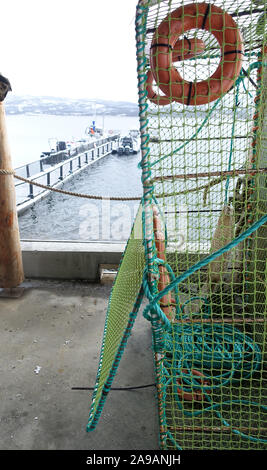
x: 11, y: 268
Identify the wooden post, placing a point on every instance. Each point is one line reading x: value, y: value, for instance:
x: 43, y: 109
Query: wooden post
x: 11, y: 268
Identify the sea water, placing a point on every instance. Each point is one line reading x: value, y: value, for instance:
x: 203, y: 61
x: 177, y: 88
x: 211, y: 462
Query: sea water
x: 30, y: 135
x: 63, y: 217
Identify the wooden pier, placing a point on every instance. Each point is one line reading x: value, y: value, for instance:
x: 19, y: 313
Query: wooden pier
x: 55, y: 175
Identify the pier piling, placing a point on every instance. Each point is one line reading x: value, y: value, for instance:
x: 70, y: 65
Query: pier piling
x: 11, y: 267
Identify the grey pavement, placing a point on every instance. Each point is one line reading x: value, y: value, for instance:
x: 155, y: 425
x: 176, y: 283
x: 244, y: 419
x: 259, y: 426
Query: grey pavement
x: 50, y: 342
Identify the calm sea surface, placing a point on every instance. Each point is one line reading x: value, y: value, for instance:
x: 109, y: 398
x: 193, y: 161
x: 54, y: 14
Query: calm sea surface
x: 62, y: 217
x: 29, y: 135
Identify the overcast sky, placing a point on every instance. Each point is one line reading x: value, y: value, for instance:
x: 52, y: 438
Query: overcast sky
x: 70, y: 48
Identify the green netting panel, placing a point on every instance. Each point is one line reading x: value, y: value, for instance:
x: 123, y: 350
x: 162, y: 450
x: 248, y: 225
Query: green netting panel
x: 124, y: 303
x: 202, y: 78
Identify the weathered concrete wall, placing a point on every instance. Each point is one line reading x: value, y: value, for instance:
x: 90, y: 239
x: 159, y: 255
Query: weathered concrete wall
x: 80, y: 260
x: 68, y: 260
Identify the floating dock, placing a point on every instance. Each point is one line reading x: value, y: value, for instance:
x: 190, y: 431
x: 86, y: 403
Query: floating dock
x: 56, y: 169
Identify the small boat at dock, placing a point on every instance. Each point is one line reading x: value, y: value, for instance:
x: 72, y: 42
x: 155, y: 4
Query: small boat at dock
x: 127, y: 145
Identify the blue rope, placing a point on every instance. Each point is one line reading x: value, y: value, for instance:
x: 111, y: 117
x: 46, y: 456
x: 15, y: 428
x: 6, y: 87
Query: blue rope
x: 240, y: 79
x: 198, y: 345
x: 209, y: 259
x: 207, y: 348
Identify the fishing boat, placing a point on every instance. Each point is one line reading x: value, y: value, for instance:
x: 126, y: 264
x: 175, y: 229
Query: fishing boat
x: 94, y: 131
x: 127, y: 145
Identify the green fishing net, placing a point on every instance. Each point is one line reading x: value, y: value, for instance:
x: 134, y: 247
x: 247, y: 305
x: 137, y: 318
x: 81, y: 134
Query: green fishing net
x: 202, y: 80
x: 201, y: 258
x: 124, y: 302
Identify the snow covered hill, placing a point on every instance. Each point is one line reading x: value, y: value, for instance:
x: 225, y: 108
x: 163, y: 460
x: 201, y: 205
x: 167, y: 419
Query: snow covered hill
x: 66, y: 106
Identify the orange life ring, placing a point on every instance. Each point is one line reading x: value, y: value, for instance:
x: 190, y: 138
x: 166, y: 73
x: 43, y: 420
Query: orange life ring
x: 207, y: 17
x: 197, y: 394
x: 185, y: 48
x: 152, y: 95
x: 166, y: 302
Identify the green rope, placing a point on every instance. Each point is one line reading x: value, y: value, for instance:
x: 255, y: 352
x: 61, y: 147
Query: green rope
x: 191, y: 138
x: 194, y: 344
x: 238, y: 81
x: 209, y: 349
x: 204, y: 347
x: 190, y: 345
x: 208, y: 259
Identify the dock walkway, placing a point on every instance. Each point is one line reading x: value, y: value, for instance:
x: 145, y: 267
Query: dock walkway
x: 54, y: 170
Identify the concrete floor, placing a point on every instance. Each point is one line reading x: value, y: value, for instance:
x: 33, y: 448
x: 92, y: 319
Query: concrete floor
x: 50, y: 341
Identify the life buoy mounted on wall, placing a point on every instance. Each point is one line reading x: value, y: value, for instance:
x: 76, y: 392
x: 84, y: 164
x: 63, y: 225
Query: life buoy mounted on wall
x: 202, y: 16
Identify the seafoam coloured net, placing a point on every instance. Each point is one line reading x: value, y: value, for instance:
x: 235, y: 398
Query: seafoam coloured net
x: 203, y: 88
x: 125, y: 299
x: 202, y: 80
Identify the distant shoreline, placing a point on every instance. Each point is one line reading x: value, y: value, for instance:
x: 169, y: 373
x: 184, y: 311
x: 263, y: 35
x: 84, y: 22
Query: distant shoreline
x: 42, y: 113
x: 44, y: 105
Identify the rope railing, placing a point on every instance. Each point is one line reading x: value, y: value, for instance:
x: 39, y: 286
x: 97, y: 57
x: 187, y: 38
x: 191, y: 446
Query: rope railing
x: 48, y: 187
x: 223, y: 176
x: 75, y: 194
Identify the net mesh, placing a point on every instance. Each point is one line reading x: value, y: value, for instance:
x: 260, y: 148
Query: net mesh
x: 124, y: 303
x: 202, y: 81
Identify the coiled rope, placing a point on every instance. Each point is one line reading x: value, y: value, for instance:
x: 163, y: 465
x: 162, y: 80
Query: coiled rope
x: 221, y: 353
x: 196, y: 345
